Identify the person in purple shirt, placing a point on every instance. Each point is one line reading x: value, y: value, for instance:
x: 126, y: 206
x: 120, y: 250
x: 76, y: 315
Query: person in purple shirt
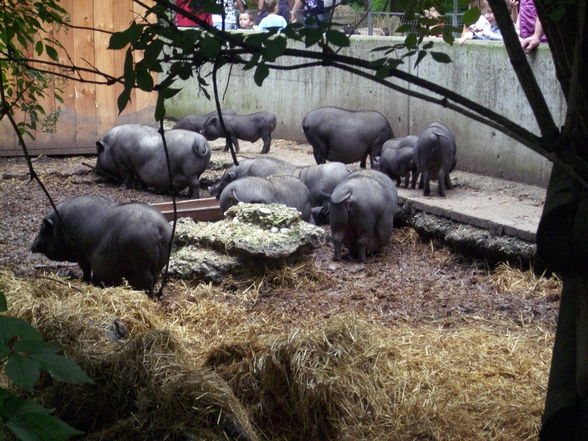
x: 529, y: 26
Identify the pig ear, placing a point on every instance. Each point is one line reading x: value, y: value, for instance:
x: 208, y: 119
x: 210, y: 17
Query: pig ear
x: 47, y: 225
x: 99, y: 147
x: 234, y: 194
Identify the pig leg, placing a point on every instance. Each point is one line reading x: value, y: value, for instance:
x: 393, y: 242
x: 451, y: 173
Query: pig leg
x: 441, y: 182
x: 426, y: 183
x: 406, y: 180
x: 448, y: 183
x: 362, y: 245
x: 337, y: 242
x: 267, y: 140
x: 86, y: 270
x: 415, y: 175
x: 194, y: 189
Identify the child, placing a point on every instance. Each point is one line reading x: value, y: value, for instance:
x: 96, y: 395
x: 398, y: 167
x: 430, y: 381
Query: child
x: 246, y: 20
x: 484, y: 29
x: 272, y: 20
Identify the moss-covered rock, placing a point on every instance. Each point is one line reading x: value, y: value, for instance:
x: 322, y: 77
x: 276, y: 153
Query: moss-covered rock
x: 271, y: 233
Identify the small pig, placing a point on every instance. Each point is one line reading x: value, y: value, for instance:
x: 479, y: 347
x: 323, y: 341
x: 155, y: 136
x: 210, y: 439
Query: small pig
x: 399, y: 163
x: 435, y: 157
x: 345, y: 135
x: 361, y: 213
x: 262, y: 166
x: 321, y: 180
x: 135, y: 151
x: 110, y: 241
x: 246, y: 127
x: 195, y: 123
x: 275, y: 189
x: 396, y: 143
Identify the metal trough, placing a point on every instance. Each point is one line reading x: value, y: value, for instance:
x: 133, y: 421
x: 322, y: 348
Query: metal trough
x: 207, y: 209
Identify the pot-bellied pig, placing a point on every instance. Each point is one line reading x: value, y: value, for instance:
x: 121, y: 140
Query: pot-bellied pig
x: 399, y: 163
x: 195, y: 123
x: 346, y: 136
x: 275, y: 189
x: 246, y: 127
x: 262, y: 166
x: 435, y: 157
x: 403, y: 141
x: 136, y: 151
x: 321, y: 180
x: 361, y: 213
x: 110, y: 241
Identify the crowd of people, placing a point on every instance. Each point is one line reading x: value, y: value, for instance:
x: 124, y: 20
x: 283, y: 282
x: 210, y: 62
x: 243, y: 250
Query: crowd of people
x: 277, y: 14
x: 271, y: 14
x: 524, y: 16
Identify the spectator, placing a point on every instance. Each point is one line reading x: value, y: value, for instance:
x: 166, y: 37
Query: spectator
x: 530, y: 29
x: 484, y: 29
x: 315, y: 12
x: 272, y: 20
x: 247, y: 20
x: 184, y: 21
x: 283, y: 10
x: 231, y: 7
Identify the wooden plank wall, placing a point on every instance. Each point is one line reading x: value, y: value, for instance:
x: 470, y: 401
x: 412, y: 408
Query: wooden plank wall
x: 88, y: 109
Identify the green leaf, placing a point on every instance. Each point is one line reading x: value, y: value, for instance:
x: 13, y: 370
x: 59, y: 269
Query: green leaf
x: 261, y: 74
x: 23, y: 371
x: 420, y: 56
x: 36, y: 347
x: 558, y: 12
x: 40, y: 427
x: 144, y: 80
x: 62, y: 368
x: 441, y: 57
x: 210, y: 47
x: 119, y: 40
x: 382, y: 72
x: 129, y: 72
x: 123, y: 99
x: 152, y: 52
x: 12, y: 405
x: 14, y: 327
x: 3, y: 304
x: 428, y: 45
x: 39, y: 47
x: 410, y: 40
x: 274, y: 48
x: 252, y: 62
x: 471, y: 16
x: 312, y: 37
x: 52, y: 52
x: 337, y: 38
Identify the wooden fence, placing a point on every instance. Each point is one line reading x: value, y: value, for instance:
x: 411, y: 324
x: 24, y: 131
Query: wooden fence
x: 88, y: 109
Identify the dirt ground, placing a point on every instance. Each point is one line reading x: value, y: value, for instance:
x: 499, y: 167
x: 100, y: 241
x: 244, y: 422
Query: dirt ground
x: 411, y: 280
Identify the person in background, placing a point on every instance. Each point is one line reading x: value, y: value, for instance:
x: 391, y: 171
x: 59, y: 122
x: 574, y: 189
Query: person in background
x: 283, y: 10
x: 314, y: 11
x: 272, y: 20
x: 184, y: 21
x: 247, y: 20
x: 530, y: 29
x: 484, y: 29
x: 231, y: 8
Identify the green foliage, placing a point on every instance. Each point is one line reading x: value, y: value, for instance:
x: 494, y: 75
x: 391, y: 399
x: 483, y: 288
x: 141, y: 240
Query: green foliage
x: 24, y: 355
x: 27, y: 27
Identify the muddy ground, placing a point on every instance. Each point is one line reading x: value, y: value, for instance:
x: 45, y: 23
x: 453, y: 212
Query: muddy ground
x: 411, y: 279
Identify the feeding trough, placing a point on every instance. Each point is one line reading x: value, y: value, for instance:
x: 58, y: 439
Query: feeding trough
x: 204, y: 210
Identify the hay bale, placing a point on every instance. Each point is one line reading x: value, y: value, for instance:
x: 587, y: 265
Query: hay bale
x: 207, y: 369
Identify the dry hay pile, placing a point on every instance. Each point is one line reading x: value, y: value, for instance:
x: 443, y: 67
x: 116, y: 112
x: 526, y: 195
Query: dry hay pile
x: 204, y: 369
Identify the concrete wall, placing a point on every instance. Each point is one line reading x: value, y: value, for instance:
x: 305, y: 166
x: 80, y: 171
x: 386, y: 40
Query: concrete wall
x: 480, y: 71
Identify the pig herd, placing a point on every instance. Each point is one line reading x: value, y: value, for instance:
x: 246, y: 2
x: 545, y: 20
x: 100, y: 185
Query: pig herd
x: 113, y: 242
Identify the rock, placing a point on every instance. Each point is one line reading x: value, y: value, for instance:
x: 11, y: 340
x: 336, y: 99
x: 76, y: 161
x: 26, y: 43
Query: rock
x: 211, y: 250
x: 190, y: 262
